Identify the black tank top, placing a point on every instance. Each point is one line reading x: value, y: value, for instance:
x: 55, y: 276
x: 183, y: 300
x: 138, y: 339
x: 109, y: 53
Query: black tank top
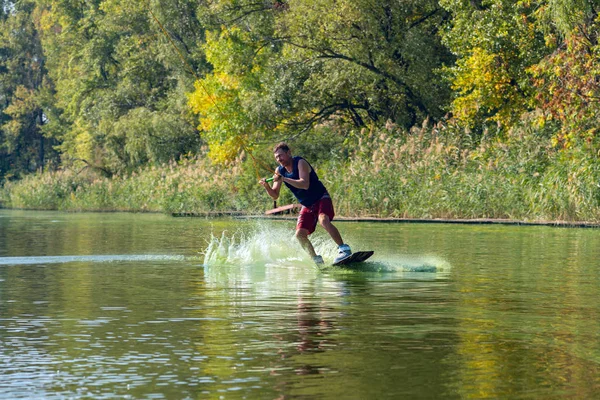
x: 316, y: 189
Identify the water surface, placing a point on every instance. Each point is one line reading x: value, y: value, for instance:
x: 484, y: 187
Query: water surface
x: 149, y: 306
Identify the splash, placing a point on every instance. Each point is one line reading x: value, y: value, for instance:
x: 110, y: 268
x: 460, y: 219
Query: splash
x: 266, y: 260
x: 277, y: 247
x: 261, y: 246
x: 399, y: 264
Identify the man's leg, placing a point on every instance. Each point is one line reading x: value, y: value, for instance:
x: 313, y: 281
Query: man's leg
x: 343, y: 249
x: 302, y: 236
x: 331, y: 229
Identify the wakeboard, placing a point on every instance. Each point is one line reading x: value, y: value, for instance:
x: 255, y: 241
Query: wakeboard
x: 357, y: 257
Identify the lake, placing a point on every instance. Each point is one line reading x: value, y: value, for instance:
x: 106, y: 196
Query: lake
x: 116, y: 305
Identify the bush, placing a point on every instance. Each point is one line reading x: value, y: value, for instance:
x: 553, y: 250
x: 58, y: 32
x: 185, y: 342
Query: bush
x: 439, y: 171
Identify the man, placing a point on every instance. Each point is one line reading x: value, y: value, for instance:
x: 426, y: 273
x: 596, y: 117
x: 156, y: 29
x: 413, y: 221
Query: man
x: 298, y: 175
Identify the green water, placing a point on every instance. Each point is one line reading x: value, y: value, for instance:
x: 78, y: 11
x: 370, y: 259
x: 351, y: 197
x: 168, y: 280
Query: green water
x: 125, y: 306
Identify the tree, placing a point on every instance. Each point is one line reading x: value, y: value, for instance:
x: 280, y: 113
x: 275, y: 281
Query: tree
x: 568, y: 80
x: 281, y: 68
x: 374, y: 61
x: 495, y: 41
x: 24, y: 88
x: 120, y: 81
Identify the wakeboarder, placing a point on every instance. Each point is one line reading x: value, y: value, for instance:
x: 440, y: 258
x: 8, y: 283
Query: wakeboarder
x: 299, y: 176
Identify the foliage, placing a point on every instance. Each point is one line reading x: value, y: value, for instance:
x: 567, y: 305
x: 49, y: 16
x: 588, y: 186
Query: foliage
x: 23, y: 92
x: 434, y: 171
x: 495, y: 42
x: 569, y: 85
x: 188, y: 185
x: 371, y: 61
x: 517, y: 56
x: 134, y: 90
x: 222, y: 99
x: 120, y: 84
x: 281, y: 68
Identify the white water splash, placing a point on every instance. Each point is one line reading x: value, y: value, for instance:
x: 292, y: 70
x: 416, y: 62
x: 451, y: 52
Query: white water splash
x: 264, y: 260
x: 400, y: 263
x: 261, y: 246
x: 277, y: 247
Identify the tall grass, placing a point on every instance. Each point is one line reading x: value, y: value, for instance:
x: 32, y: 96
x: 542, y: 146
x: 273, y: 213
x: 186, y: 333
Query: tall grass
x: 438, y: 171
x: 441, y: 172
x: 188, y: 185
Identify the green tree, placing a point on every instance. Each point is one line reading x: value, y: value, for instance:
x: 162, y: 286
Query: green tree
x: 495, y: 41
x: 120, y: 81
x: 374, y: 61
x: 284, y: 67
x: 24, y: 91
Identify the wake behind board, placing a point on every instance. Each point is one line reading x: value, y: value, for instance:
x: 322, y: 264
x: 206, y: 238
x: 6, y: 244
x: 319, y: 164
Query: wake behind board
x: 357, y: 257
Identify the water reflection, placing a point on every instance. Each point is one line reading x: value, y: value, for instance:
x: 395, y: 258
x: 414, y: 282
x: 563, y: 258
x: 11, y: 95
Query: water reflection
x: 525, y: 315
x: 515, y: 316
x: 92, y: 259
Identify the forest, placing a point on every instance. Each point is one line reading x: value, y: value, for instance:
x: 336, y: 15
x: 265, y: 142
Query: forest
x: 406, y: 108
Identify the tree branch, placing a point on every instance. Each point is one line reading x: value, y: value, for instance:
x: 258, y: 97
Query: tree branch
x: 424, y: 18
x: 325, y: 53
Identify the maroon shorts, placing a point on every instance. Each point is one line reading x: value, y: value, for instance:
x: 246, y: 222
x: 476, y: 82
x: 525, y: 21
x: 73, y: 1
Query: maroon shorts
x: 309, y: 216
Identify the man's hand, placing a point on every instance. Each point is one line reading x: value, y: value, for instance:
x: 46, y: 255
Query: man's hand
x: 272, y: 191
x: 276, y: 178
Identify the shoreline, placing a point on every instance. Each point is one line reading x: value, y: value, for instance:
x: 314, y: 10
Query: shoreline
x: 469, y: 221
x: 473, y: 221
x: 293, y: 217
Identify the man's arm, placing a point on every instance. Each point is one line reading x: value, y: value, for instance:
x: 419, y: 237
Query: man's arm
x: 303, y: 174
x: 273, y: 191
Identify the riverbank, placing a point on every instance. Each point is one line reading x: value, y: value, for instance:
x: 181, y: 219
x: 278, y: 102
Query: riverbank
x: 385, y: 220
x: 476, y: 221
x: 431, y: 173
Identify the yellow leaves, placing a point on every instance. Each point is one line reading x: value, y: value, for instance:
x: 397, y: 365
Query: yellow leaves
x: 551, y: 40
x: 216, y: 101
x: 212, y: 94
x: 541, y: 120
x: 474, y: 71
x: 48, y: 22
x: 229, y: 82
x: 23, y: 102
x: 224, y: 152
x: 222, y: 99
x: 84, y: 145
x: 13, y: 127
x: 484, y: 85
x: 564, y: 141
x: 567, y: 89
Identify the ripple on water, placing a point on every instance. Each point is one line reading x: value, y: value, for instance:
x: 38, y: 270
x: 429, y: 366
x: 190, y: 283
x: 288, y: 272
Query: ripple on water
x: 89, y: 258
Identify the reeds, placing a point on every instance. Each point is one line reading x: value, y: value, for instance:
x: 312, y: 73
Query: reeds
x: 439, y: 171
x: 192, y: 184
